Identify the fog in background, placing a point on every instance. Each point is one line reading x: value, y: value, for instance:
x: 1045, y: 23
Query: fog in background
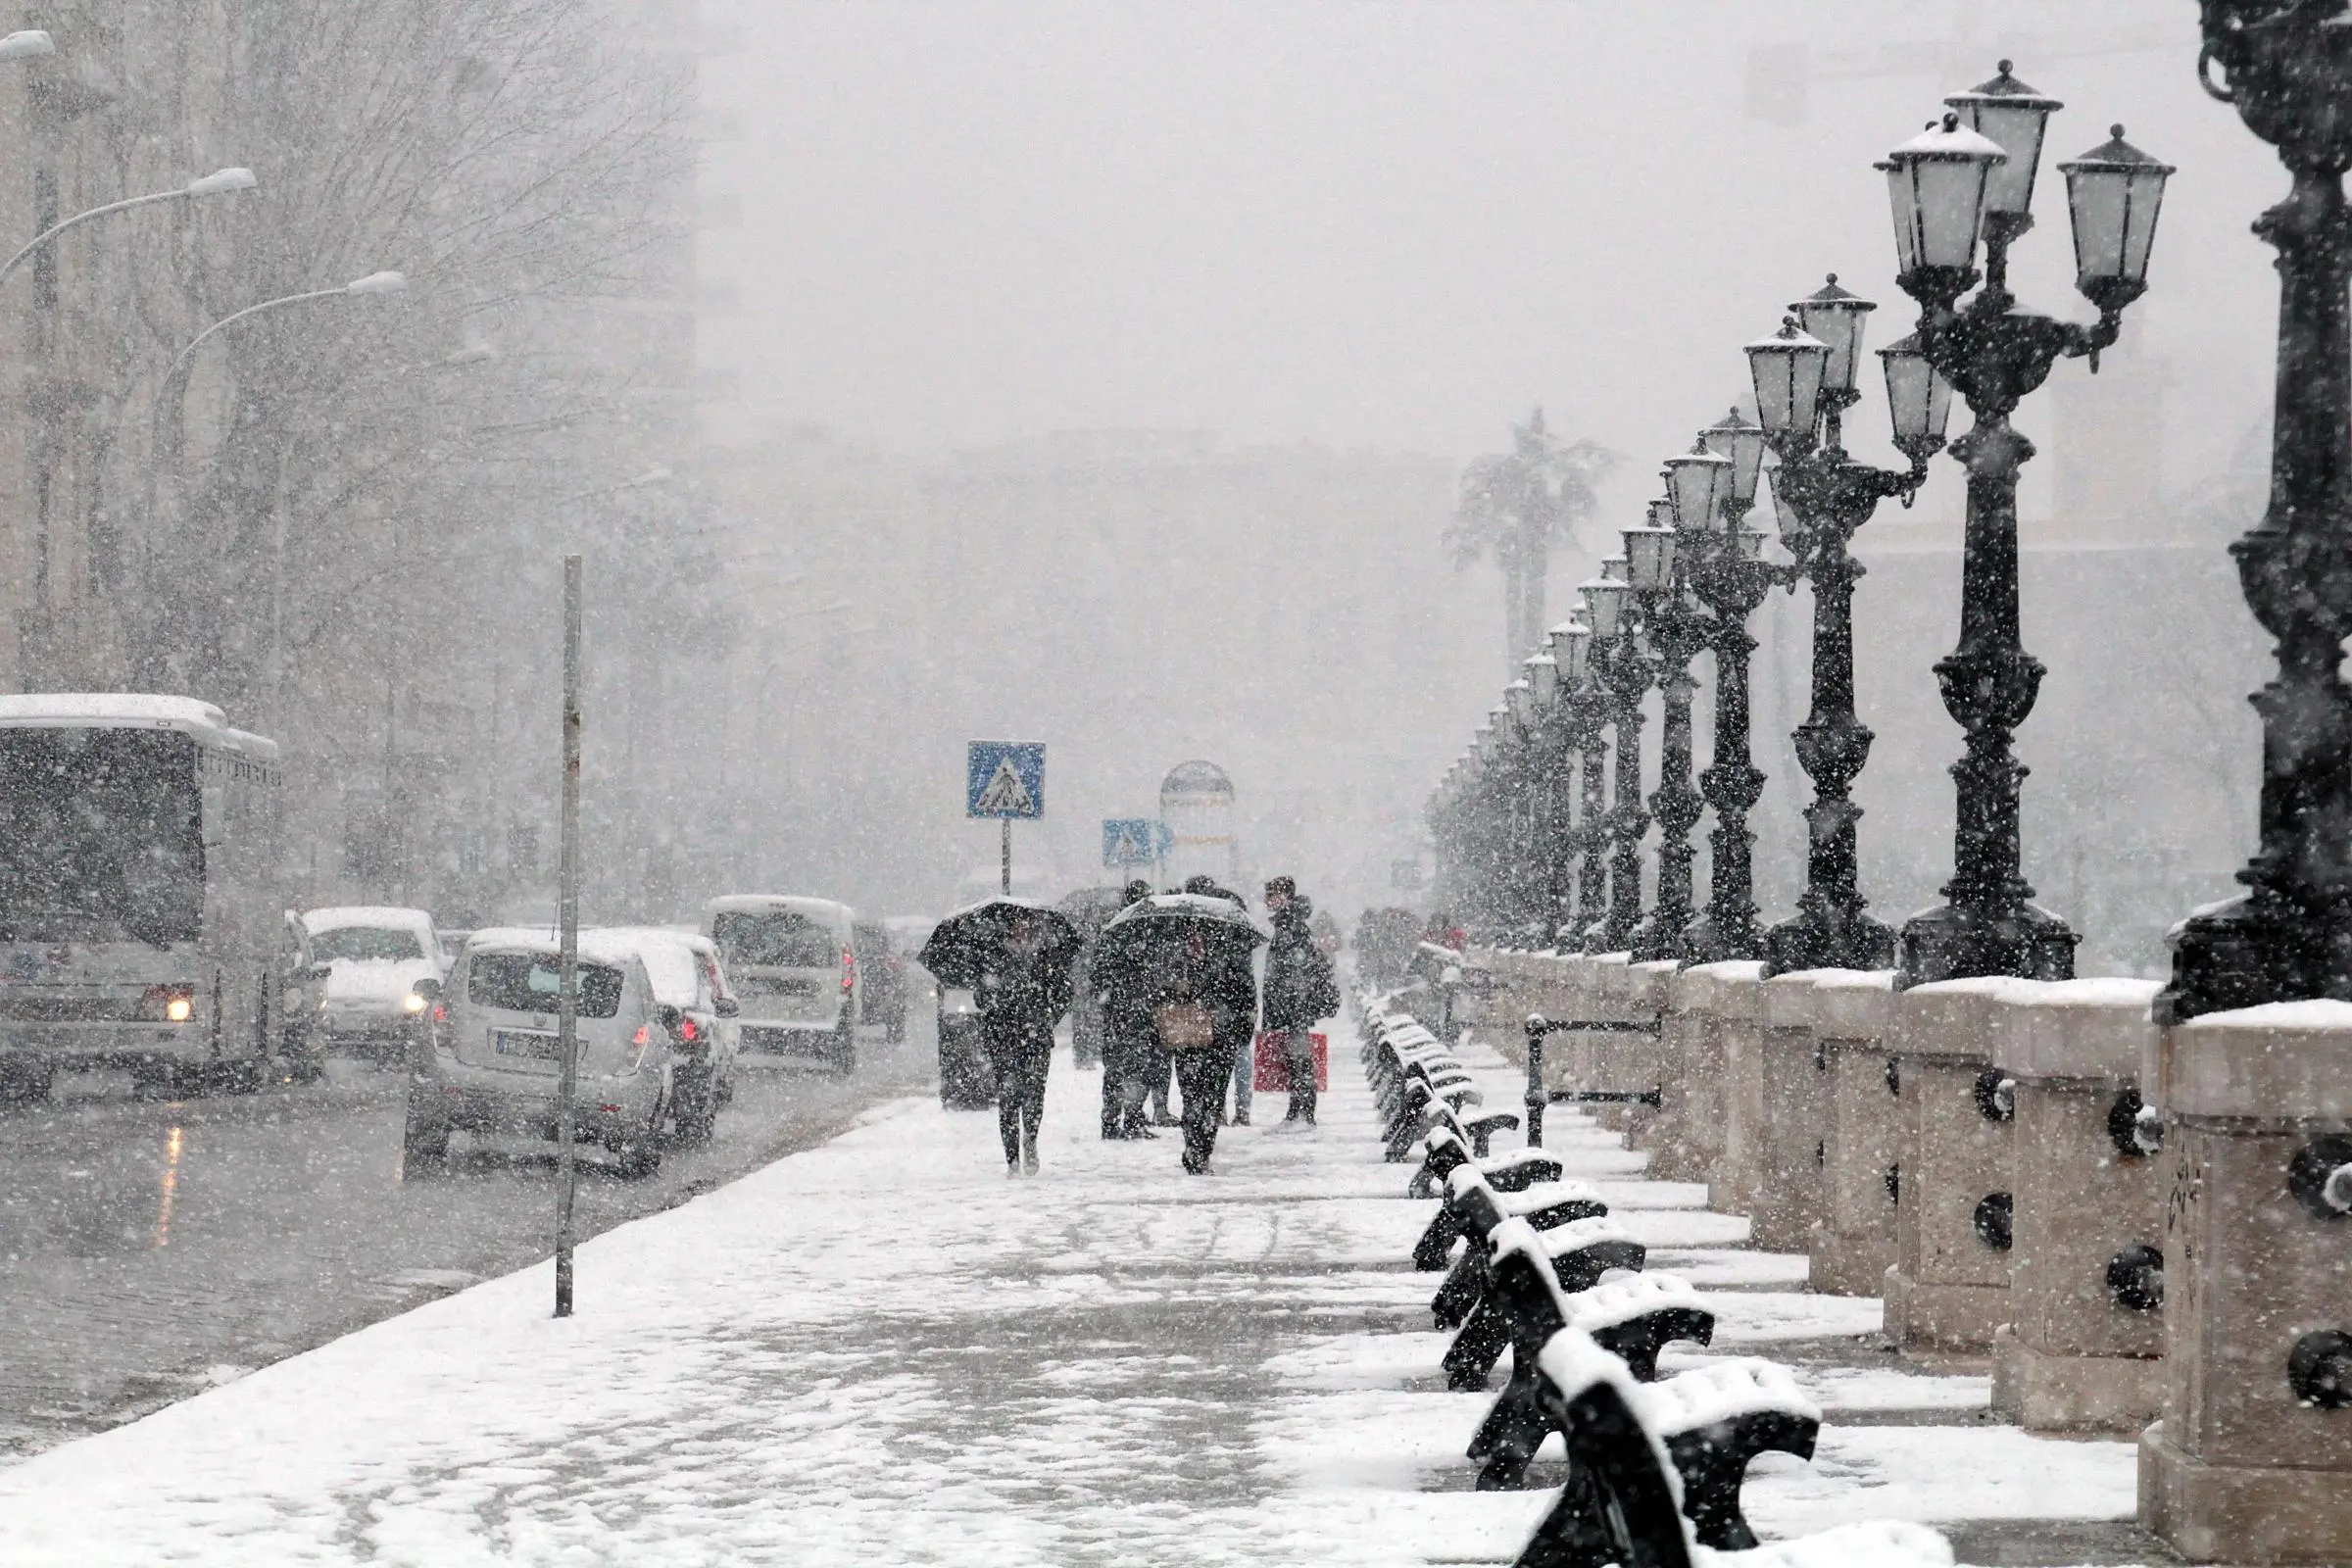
x: 1100, y: 374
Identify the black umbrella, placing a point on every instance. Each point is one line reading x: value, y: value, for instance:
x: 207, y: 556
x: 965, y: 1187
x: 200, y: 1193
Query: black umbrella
x: 1145, y: 924
x: 971, y: 942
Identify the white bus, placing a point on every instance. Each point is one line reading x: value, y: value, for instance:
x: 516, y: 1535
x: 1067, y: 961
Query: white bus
x: 142, y: 912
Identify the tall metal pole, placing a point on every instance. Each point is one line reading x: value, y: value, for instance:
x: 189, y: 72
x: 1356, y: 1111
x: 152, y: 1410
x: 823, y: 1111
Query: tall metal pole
x: 568, y: 918
x: 1677, y: 632
x: 1006, y: 826
x: 2283, y: 940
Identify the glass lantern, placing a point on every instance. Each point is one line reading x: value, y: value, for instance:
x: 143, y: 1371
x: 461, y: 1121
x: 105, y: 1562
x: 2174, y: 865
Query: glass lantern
x: 1787, y: 368
x: 1604, y: 607
x: 1937, y: 181
x: 1837, y: 317
x: 1544, y: 679
x: 1649, y: 556
x: 1919, y: 399
x: 1520, y: 698
x: 2013, y: 116
x: 1571, y: 651
x: 1698, y: 484
x: 2114, y: 192
x: 1740, y: 439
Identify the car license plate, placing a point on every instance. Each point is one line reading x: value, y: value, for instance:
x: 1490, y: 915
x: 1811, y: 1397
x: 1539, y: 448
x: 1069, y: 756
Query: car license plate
x: 529, y: 1042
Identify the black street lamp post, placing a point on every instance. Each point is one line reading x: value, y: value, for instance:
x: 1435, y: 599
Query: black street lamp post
x: 2289, y: 71
x: 1973, y: 175
x: 1731, y: 581
x: 1577, y: 709
x: 1621, y: 668
x: 1805, y: 380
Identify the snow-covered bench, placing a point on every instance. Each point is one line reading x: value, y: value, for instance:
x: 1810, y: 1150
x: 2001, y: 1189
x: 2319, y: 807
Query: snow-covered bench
x: 1627, y: 1499
x: 1519, y: 1288
x: 1446, y: 1150
x: 1543, y: 1205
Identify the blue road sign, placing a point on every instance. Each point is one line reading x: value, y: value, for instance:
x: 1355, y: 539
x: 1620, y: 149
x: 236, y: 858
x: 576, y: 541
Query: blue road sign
x: 1005, y: 779
x: 1163, y: 838
x: 1126, y: 841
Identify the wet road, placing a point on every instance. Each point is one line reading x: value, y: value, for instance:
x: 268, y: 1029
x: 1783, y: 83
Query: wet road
x: 148, y: 1249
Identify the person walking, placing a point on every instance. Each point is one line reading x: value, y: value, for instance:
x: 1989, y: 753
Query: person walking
x: 1238, y: 985
x: 1132, y: 1060
x: 1195, y: 1012
x: 1299, y: 993
x: 1022, y: 995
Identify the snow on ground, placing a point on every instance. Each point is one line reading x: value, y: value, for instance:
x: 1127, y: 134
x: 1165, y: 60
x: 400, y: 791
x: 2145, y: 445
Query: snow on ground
x: 885, y: 1352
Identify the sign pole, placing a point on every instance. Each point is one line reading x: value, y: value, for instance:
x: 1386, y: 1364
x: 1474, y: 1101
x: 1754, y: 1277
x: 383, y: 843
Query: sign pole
x: 567, y: 917
x: 1008, y: 826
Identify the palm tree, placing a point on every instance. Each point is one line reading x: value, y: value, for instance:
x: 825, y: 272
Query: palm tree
x: 1516, y: 505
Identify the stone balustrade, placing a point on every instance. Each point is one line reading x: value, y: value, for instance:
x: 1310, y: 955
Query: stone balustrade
x: 2133, y: 1227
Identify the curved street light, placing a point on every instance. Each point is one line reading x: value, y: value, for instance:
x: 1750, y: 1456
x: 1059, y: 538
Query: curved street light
x: 218, y: 183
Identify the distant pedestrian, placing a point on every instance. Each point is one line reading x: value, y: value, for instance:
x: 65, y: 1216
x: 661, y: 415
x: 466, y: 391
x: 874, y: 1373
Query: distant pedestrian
x: 1132, y: 1060
x: 1022, y: 995
x: 1299, y: 992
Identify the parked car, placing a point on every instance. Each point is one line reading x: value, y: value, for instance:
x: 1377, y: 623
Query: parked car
x: 882, y: 973
x: 690, y: 988
x: 793, y: 962
x: 493, y: 1062
x: 374, y: 958
x: 967, y: 1079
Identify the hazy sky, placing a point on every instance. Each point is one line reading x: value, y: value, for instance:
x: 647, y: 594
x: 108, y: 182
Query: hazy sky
x: 1396, y: 225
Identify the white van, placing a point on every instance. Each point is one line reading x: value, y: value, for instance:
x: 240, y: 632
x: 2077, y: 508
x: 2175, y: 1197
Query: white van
x: 494, y: 1059
x: 794, y: 965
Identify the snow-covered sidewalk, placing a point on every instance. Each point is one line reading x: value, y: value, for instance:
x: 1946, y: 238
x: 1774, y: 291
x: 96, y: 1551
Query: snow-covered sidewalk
x: 885, y: 1352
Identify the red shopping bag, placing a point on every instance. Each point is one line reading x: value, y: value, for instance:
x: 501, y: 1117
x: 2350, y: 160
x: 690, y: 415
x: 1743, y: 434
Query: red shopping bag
x: 1272, y: 1074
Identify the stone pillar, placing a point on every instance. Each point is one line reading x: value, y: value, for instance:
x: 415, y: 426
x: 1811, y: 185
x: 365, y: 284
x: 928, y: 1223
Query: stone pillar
x: 1949, y: 1287
x: 2086, y: 1335
x: 1853, y: 1246
x: 1740, y: 1036
x: 1637, y: 1062
x: 1790, y: 1155
x: 1691, y: 1039
x: 2252, y: 1461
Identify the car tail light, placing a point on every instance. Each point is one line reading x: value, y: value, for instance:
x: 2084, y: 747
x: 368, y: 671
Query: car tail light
x: 643, y: 1037
x: 849, y: 971
x: 168, y: 1003
x: 688, y: 1032
x: 445, y: 1040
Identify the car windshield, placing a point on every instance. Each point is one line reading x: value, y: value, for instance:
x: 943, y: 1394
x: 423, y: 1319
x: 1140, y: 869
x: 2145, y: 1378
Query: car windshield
x: 364, y: 941
x: 529, y: 982
x: 780, y: 940
x: 100, y: 836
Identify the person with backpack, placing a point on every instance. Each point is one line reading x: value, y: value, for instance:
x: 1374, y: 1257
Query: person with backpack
x: 1299, y: 992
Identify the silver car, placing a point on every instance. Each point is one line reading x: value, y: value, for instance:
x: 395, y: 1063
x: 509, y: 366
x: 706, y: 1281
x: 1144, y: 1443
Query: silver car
x: 493, y: 1063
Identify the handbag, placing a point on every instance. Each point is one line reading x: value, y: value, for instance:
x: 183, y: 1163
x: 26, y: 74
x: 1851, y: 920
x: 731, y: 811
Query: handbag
x: 1184, y: 1026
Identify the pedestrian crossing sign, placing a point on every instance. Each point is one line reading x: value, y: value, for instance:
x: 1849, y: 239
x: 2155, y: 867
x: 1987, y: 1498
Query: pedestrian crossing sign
x: 1004, y: 779
x: 1127, y: 842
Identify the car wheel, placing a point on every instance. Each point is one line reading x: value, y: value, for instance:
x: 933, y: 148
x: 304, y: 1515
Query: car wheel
x: 697, y: 1112
x: 640, y: 1152
x: 421, y: 1140
x: 244, y: 1076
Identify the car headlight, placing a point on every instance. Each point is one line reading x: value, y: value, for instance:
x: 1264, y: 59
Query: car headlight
x: 179, y: 1010
x: 412, y: 1002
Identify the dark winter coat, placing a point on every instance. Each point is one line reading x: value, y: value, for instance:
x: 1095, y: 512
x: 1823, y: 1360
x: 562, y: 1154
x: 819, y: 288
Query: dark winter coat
x: 1300, y: 989
x: 1022, y: 999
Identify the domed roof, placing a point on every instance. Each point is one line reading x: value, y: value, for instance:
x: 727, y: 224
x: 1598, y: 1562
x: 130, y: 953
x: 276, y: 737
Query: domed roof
x: 1196, y: 778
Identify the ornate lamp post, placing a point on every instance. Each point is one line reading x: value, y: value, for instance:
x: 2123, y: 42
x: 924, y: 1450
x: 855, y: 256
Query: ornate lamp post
x: 2288, y: 71
x: 1621, y: 668
x: 1804, y: 378
x: 1585, y: 711
x: 1677, y: 629
x: 1973, y: 175
x: 1731, y: 581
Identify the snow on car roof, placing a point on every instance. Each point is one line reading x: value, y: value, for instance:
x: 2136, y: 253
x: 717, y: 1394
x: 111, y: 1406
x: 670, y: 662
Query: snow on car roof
x: 129, y: 711
x: 763, y: 902
x: 383, y: 916
x: 595, y: 946
x: 669, y: 956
